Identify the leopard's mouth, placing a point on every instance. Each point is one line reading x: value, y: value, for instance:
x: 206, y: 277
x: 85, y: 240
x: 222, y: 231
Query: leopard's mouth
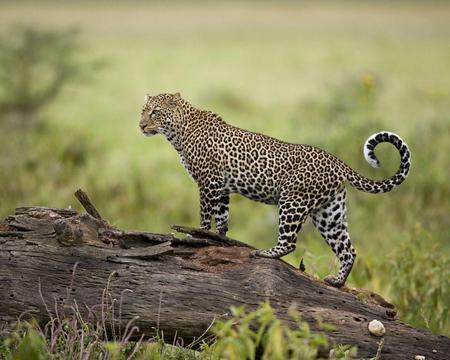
x: 150, y: 130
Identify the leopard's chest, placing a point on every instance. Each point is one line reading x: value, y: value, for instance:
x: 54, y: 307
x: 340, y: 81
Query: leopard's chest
x: 186, y: 164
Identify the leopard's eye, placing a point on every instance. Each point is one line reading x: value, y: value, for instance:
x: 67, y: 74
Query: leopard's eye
x: 155, y: 113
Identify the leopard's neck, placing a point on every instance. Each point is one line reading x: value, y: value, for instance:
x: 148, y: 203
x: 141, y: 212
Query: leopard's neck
x: 176, y: 135
x: 176, y: 140
x: 195, y: 121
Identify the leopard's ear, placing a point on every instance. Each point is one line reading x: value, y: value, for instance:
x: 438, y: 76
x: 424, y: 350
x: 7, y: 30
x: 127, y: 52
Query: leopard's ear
x: 173, y: 101
x: 147, y: 97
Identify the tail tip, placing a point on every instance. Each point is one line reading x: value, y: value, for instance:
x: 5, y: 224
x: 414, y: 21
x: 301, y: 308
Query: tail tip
x: 370, y: 156
x: 375, y: 163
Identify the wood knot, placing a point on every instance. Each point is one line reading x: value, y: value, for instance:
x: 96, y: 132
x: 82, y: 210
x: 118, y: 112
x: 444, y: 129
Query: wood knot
x: 66, y: 234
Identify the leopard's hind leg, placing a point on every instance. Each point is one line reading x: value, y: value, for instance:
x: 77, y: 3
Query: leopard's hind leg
x: 331, y: 221
x: 292, y: 215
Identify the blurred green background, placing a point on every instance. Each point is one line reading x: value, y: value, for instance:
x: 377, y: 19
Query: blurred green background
x: 323, y: 73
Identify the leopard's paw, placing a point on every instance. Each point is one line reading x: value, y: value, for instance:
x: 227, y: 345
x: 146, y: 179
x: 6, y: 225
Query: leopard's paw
x: 334, y: 281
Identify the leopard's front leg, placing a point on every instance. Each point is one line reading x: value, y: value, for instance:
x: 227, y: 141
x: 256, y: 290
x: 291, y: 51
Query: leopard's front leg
x: 221, y: 214
x: 209, y: 198
x: 292, y: 215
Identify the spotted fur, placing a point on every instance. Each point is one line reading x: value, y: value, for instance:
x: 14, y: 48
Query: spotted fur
x: 301, y: 179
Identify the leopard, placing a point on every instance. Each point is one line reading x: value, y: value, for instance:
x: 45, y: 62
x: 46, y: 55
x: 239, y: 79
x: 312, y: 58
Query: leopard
x: 304, y: 181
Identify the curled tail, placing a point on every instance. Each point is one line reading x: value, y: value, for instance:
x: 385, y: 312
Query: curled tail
x: 373, y: 186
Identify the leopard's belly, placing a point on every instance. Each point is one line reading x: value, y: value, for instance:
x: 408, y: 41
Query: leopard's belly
x: 257, y: 188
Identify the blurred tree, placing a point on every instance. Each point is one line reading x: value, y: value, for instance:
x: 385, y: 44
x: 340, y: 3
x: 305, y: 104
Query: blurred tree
x: 35, y: 65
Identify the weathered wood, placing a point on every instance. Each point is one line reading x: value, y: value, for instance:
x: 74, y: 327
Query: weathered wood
x: 30, y: 210
x: 211, y: 237
x: 143, y: 238
x: 87, y: 204
x: 150, y: 252
x: 134, y: 238
x: 178, y: 287
x: 9, y: 233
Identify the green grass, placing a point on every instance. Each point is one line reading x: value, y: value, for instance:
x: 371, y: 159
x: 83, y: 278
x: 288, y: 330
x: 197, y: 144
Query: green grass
x: 245, y: 335
x: 296, y: 71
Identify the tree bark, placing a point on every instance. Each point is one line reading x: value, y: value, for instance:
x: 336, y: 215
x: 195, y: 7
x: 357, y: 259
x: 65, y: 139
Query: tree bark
x: 179, y: 285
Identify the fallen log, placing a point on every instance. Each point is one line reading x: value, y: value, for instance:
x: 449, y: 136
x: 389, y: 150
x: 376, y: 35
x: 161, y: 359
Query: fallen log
x: 179, y: 285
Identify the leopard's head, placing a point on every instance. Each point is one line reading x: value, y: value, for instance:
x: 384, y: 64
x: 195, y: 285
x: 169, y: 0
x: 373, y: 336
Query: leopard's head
x: 161, y: 115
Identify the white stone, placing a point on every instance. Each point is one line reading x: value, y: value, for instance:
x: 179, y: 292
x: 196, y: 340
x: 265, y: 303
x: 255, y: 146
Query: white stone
x: 376, y: 328
x: 419, y: 357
